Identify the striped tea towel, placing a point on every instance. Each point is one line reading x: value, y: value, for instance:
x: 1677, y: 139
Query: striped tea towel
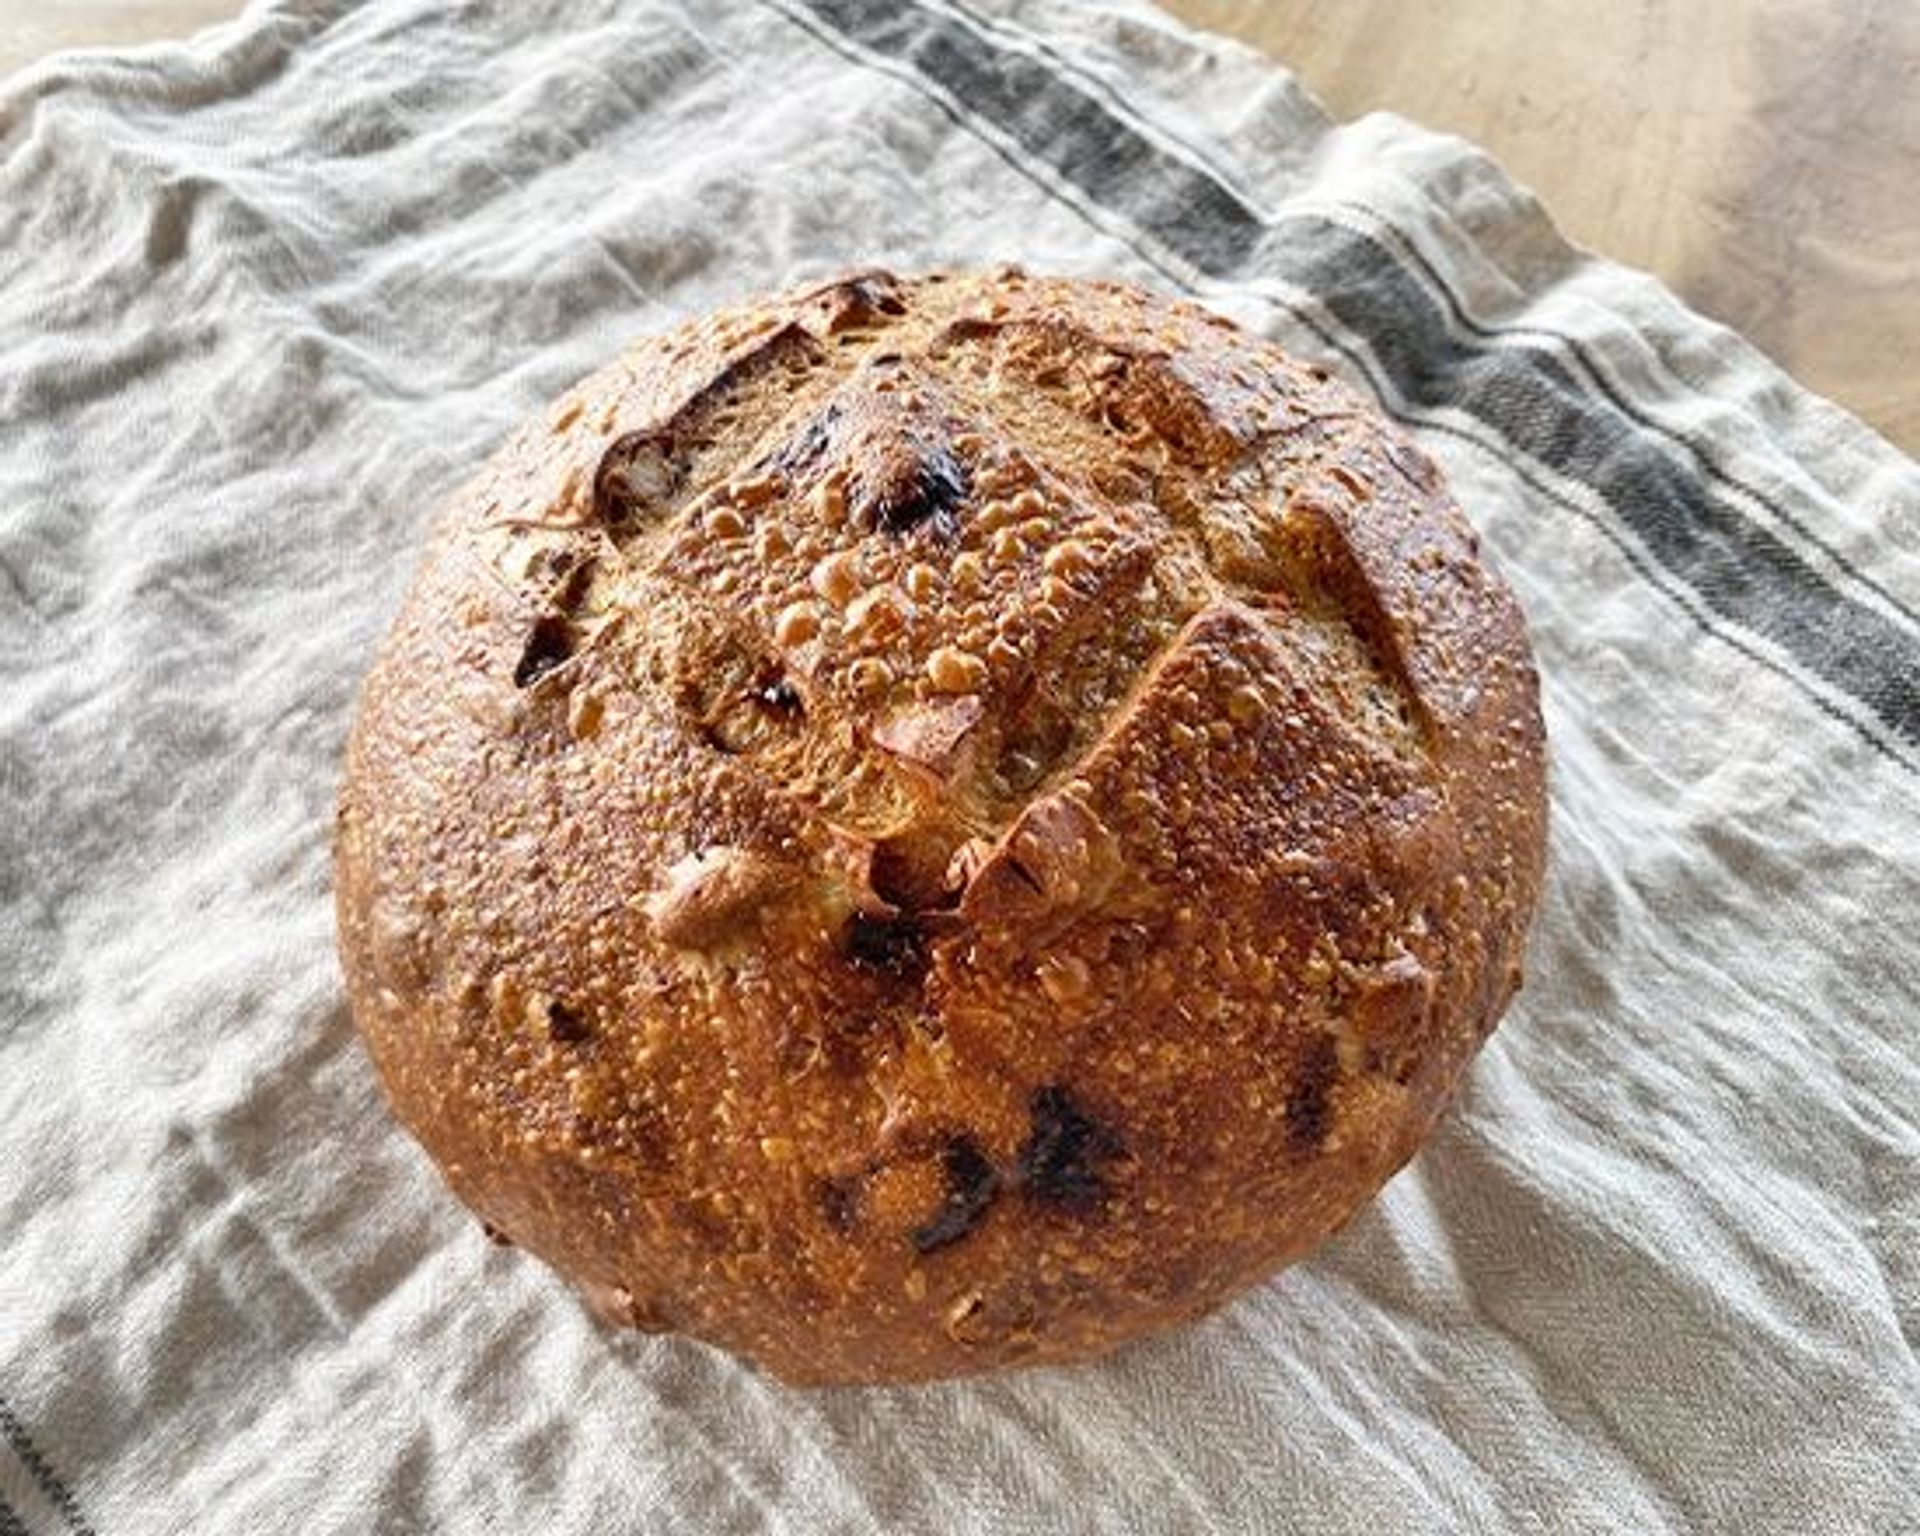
x: 264, y: 299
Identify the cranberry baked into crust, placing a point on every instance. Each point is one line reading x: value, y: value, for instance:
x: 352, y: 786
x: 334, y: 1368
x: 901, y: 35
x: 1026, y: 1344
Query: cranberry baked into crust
x: 923, y: 824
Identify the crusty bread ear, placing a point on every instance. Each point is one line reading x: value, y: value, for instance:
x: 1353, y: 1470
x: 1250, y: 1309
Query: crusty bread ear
x: 926, y: 824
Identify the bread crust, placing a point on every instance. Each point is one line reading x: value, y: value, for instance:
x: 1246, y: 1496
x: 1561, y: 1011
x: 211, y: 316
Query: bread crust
x: 919, y: 825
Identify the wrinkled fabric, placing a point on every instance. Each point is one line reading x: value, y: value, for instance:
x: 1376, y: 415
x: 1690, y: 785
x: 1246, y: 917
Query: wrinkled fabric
x: 267, y: 297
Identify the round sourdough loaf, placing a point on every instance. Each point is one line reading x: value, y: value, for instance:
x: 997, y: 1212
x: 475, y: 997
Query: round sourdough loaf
x: 923, y: 824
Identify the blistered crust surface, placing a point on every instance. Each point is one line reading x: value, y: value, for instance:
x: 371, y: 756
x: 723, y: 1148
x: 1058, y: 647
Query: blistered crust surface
x: 918, y: 825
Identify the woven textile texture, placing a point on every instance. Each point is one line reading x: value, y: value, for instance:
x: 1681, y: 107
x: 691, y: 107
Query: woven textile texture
x: 266, y: 298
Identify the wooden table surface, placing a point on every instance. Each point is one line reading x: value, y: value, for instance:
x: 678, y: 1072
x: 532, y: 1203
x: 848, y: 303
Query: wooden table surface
x: 1761, y: 156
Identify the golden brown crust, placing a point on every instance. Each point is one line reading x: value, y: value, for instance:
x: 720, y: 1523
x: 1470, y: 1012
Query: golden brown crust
x: 919, y: 825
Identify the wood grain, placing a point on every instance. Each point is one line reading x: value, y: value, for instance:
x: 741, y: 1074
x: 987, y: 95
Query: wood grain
x: 30, y: 29
x: 1761, y: 156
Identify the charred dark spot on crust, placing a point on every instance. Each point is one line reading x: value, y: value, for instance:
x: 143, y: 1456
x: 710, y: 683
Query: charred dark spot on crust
x: 780, y: 698
x: 1309, y: 1112
x: 839, y: 1203
x: 566, y: 1025
x: 972, y: 1183
x: 893, y: 946
x: 1060, y: 1163
x: 926, y: 499
x: 495, y: 1235
x: 549, y: 646
x: 739, y: 702
x: 807, y: 446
